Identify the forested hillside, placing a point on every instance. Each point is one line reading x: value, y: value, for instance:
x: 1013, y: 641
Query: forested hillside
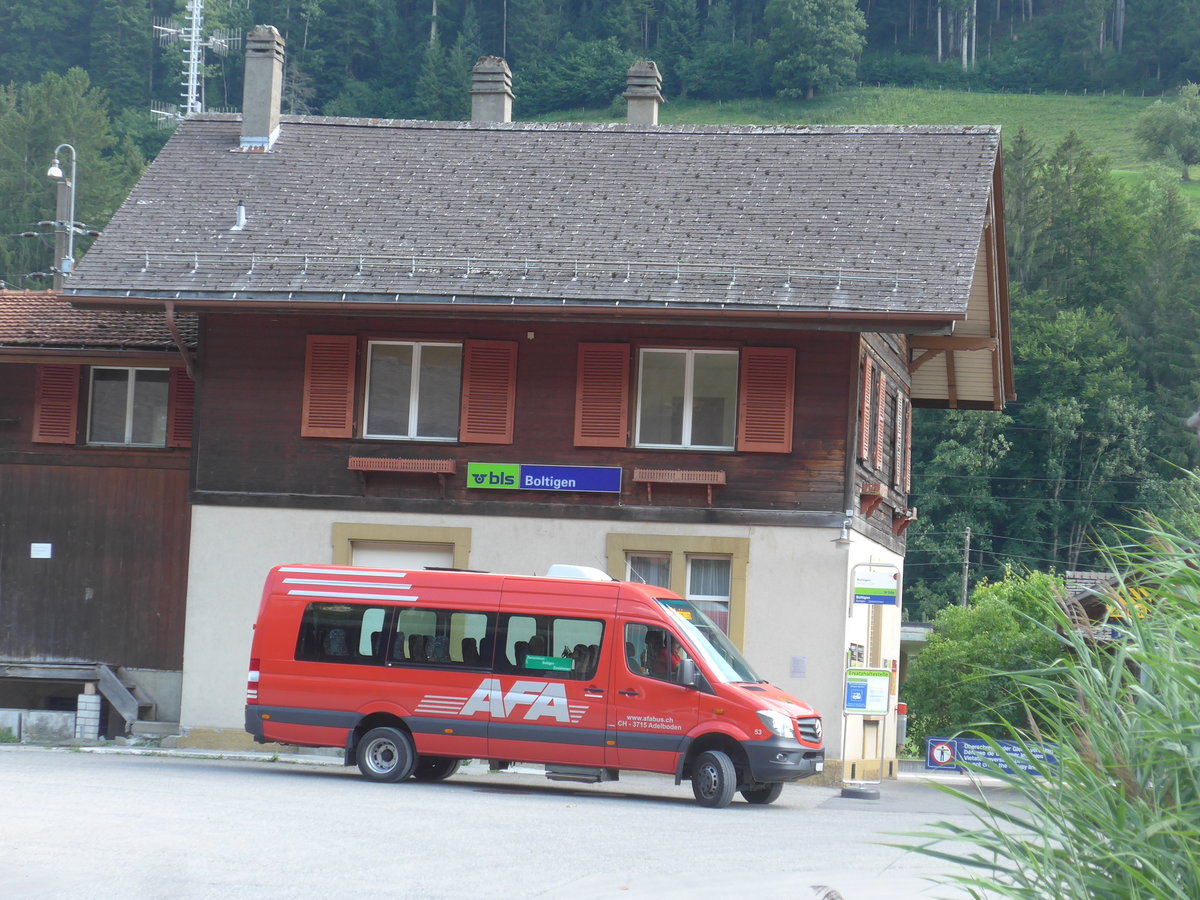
x: 1104, y: 265
x: 401, y: 57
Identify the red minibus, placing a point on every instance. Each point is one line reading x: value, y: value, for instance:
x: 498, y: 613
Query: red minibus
x: 411, y: 672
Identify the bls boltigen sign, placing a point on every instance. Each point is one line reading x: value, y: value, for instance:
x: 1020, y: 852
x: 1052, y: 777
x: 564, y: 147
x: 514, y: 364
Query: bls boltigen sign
x: 525, y: 477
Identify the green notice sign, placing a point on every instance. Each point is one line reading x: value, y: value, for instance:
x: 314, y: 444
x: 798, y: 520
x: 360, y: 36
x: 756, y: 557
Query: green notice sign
x: 549, y: 663
x: 500, y: 476
x: 867, y: 692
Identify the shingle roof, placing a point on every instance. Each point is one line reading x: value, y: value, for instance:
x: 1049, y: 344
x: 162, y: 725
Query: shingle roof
x: 42, y: 319
x: 879, y: 219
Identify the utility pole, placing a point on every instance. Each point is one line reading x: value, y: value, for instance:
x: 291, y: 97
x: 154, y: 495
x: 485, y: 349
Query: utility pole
x: 962, y: 600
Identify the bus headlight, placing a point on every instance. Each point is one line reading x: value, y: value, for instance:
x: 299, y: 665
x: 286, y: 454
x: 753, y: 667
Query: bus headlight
x: 779, y: 724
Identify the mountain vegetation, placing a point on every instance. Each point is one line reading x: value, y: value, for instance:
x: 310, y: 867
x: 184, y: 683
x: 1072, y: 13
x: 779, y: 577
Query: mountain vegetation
x: 1098, y: 103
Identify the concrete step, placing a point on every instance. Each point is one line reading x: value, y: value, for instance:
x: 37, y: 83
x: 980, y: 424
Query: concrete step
x: 146, y: 728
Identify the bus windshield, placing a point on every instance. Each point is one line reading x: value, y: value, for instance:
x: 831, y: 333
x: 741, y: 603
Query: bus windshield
x: 710, y: 642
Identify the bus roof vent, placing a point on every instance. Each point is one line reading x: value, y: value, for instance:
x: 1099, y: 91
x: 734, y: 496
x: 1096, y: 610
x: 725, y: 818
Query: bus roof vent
x: 586, y: 573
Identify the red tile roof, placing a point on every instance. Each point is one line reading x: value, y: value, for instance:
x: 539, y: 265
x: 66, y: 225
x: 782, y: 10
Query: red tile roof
x: 46, y: 319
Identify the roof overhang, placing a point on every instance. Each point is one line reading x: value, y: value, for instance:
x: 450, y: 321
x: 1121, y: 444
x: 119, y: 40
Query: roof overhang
x: 971, y: 368
x: 507, y: 307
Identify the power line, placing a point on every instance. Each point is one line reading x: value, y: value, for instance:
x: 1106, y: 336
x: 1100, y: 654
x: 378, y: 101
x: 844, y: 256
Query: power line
x: 1018, y: 499
x: 1022, y: 478
x: 999, y: 537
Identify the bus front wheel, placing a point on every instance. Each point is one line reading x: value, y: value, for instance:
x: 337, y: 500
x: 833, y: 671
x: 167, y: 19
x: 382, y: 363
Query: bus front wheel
x: 713, y: 779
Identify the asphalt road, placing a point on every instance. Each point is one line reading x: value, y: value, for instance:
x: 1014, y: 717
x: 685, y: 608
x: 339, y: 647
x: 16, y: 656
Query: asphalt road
x: 104, y: 824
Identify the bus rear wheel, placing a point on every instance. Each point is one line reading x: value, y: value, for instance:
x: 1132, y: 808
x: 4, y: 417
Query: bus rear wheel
x: 386, y: 754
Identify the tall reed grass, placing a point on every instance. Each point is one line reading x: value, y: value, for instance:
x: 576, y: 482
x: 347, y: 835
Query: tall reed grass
x: 1120, y: 815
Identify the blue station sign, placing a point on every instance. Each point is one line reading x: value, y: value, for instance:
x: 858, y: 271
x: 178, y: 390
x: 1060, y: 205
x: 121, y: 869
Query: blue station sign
x: 524, y: 477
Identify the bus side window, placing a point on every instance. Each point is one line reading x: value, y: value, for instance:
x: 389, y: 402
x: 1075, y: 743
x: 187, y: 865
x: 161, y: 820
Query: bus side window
x: 341, y: 633
x: 518, y: 630
x: 580, y: 639
x: 653, y: 652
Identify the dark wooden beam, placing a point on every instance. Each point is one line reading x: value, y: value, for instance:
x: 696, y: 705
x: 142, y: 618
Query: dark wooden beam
x: 951, y: 381
x: 922, y: 359
x: 935, y: 342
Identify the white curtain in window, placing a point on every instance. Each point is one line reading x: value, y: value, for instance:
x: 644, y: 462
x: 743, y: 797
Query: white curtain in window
x: 649, y: 569
x: 708, y: 588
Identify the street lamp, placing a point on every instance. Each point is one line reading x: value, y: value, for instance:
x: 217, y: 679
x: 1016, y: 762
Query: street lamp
x: 64, y: 241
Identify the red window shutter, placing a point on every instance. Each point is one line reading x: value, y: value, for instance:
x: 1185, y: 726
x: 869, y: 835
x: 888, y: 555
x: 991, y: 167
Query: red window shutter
x: 489, y: 392
x: 898, y: 444
x: 329, y: 386
x: 56, y: 405
x: 766, y: 397
x: 864, y: 419
x: 908, y: 448
x: 181, y: 397
x: 880, y: 404
x: 602, y: 396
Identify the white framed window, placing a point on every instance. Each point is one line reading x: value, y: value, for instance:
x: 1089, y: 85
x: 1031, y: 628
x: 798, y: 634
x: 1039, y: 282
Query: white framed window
x: 708, y: 570
x: 128, y: 407
x: 649, y: 568
x: 687, y: 398
x: 708, y: 587
x: 413, y: 390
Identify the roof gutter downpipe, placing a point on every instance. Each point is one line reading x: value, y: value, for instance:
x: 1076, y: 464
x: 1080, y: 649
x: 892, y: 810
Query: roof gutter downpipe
x: 189, y: 363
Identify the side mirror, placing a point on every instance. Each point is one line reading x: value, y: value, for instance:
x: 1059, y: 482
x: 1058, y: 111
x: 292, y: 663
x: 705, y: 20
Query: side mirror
x: 688, y: 674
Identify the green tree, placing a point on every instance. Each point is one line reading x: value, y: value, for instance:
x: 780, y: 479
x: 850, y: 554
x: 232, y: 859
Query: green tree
x: 951, y: 684
x: 813, y: 45
x: 957, y: 449
x: 1085, y: 430
x: 439, y: 88
x: 581, y: 73
x: 1027, y: 208
x: 535, y: 28
x: 120, y: 57
x: 678, y: 36
x: 43, y: 37
x: 1163, y: 332
x: 1171, y: 131
x: 34, y: 119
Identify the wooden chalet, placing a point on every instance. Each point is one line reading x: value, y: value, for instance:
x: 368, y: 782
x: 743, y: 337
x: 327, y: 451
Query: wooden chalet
x: 95, y: 437
x: 684, y: 354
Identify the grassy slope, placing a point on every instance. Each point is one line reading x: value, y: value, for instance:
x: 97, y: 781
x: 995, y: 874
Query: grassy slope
x: 1104, y: 123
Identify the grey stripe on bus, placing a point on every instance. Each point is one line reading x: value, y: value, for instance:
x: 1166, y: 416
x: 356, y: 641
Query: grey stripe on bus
x: 501, y: 731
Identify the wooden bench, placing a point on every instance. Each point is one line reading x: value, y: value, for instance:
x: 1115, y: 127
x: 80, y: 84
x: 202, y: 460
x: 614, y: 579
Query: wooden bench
x: 439, y: 467
x: 651, y: 477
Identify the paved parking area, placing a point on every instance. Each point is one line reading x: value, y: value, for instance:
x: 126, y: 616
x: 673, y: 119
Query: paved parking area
x: 103, y: 823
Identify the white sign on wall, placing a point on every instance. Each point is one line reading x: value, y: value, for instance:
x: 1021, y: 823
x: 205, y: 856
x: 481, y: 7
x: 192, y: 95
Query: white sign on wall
x: 877, y: 585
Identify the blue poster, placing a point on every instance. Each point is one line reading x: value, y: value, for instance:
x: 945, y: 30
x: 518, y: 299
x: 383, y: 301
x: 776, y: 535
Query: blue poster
x: 976, y: 755
x: 856, y: 695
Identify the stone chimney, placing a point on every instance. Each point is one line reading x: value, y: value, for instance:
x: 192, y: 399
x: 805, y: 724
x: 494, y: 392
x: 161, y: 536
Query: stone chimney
x: 643, y: 93
x: 263, y: 89
x: 491, y: 90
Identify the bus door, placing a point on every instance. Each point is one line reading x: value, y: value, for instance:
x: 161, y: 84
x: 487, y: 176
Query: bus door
x: 551, y: 674
x: 651, y: 712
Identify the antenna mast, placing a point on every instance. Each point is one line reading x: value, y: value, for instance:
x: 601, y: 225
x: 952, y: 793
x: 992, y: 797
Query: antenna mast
x: 192, y: 34
x: 192, y: 85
